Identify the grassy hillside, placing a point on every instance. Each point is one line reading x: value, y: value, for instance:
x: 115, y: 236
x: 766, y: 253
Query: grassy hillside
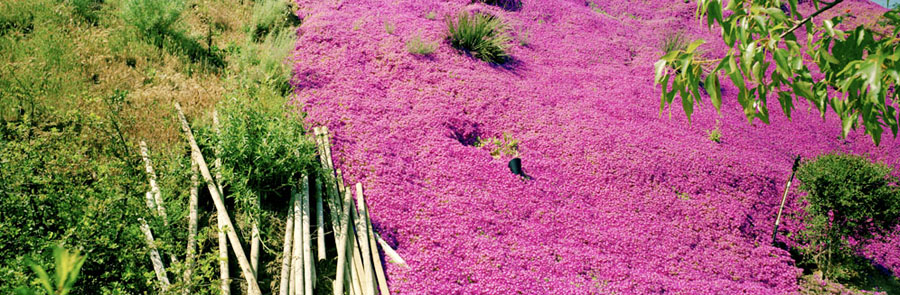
x: 81, y: 83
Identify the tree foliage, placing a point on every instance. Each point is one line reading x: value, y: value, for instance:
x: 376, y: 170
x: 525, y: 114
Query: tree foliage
x: 849, y: 198
x: 765, y: 59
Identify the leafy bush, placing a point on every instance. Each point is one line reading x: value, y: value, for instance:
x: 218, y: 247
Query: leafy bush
x: 262, y: 146
x: 418, y: 46
x: 848, y: 198
x: 481, y: 35
x: 156, y: 20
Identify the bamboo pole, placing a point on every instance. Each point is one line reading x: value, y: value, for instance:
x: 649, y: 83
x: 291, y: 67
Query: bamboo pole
x: 224, y: 275
x: 376, y: 257
x: 154, y: 188
x: 158, y: 265
x: 390, y: 251
x: 296, y: 284
x: 342, y: 247
x: 254, y: 237
x: 784, y: 197
x: 307, y: 251
x: 192, y: 228
x: 320, y: 223
x: 288, y: 242
x: 362, y: 229
x: 220, y: 205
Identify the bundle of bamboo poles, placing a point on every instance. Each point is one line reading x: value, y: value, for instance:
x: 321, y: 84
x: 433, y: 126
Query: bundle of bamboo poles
x: 359, y: 268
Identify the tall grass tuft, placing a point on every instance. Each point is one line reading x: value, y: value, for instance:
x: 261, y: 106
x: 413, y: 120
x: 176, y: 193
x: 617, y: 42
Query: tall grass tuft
x: 271, y: 15
x: 481, y: 35
x: 266, y: 63
x: 673, y: 41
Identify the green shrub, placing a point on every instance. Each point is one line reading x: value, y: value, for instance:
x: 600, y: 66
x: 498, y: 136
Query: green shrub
x: 263, y: 147
x: 481, y: 35
x: 157, y: 20
x: 848, y: 197
x: 271, y: 16
x: 418, y: 46
x: 266, y: 63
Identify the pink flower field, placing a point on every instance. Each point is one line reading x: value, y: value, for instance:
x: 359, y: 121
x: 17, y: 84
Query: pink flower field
x: 622, y: 199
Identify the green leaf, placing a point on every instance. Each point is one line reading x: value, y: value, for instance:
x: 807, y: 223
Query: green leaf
x: 786, y: 102
x: 662, y: 96
x: 659, y: 68
x: 693, y: 46
x: 829, y: 27
x: 714, y: 90
x: 781, y: 62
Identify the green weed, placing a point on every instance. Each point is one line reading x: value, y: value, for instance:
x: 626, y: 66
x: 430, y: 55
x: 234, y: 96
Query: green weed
x: 418, y: 46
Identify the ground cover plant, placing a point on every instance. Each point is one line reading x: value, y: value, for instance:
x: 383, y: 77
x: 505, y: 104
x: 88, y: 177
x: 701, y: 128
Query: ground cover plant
x: 622, y: 199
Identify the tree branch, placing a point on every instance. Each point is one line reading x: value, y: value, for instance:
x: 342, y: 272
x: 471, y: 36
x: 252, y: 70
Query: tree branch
x: 809, y: 18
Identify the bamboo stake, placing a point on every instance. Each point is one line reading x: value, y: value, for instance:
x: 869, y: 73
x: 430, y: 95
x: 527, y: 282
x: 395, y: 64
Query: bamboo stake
x: 158, y: 265
x: 220, y: 205
x: 254, y: 239
x: 296, y: 284
x: 390, y: 251
x: 224, y: 275
x: 376, y: 257
x: 342, y: 247
x: 307, y: 251
x: 154, y: 188
x: 320, y: 223
x: 356, y: 267
x: 784, y: 197
x: 151, y: 204
x: 362, y: 228
x: 288, y: 242
x: 192, y: 228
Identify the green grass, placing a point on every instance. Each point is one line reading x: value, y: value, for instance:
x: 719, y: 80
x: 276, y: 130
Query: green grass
x: 416, y: 45
x: 673, y: 41
x: 480, y: 35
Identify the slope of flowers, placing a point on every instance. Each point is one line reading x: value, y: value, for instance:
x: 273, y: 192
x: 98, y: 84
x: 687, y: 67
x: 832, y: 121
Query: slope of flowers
x: 622, y: 199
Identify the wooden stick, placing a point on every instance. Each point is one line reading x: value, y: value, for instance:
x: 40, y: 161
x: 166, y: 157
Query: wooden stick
x: 390, y: 251
x: 381, y: 281
x: 362, y: 228
x: 158, y: 266
x: 254, y: 238
x: 320, y: 223
x: 288, y: 242
x: 784, y: 197
x: 356, y: 266
x: 192, y: 228
x: 154, y: 188
x: 224, y: 275
x: 297, y: 285
x: 307, y: 251
x: 342, y: 246
x: 220, y: 205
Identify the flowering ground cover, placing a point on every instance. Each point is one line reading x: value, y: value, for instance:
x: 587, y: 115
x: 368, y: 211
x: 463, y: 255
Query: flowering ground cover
x: 621, y: 198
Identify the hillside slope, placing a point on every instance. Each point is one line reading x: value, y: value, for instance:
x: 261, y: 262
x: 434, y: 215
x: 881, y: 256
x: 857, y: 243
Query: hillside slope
x: 622, y: 199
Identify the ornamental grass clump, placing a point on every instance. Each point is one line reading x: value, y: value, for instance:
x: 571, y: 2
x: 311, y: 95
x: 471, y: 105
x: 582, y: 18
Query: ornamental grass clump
x: 481, y: 35
x: 849, y: 198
